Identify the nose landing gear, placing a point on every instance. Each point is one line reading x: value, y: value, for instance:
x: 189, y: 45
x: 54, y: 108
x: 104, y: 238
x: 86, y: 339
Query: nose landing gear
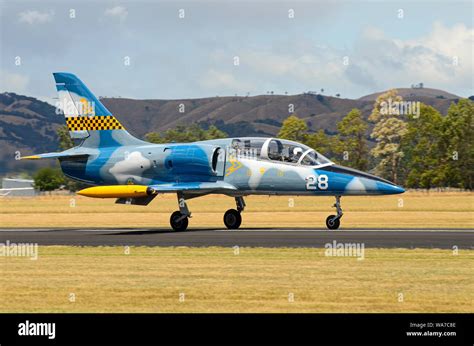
x: 232, y: 217
x: 333, y: 221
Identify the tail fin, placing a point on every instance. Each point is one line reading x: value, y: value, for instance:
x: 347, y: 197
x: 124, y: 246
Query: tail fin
x: 87, y: 118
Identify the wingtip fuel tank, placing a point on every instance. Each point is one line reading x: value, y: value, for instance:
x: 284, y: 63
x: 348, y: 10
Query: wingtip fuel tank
x: 117, y: 191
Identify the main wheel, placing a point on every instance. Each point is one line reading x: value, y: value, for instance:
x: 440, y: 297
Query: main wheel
x: 332, y: 222
x: 180, y: 225
x: 232, y: 219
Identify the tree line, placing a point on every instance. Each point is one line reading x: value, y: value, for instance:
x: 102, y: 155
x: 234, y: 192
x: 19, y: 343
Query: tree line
x: 416, y: 150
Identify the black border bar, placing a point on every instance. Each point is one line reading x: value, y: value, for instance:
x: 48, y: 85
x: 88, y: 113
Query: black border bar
x: 219, y: 329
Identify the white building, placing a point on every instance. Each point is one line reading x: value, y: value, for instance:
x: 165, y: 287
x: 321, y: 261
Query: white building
x: 17, y: 187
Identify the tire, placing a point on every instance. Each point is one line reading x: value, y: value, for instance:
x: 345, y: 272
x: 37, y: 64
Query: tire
x: 331, y: 223
x: 181, y: 225
x: 232, y: 219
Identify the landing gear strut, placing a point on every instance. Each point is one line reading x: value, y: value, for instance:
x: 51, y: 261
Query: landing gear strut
x: 333, y: 221
x: 232, y: 217
x: 179, y: 219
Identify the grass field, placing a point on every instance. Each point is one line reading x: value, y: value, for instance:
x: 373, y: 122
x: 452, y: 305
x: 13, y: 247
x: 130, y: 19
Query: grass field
x: 410, y: 210
x: 106, y: 279
x: 215, y: 279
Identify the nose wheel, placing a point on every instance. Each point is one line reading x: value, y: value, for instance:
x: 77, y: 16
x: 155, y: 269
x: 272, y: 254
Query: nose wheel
x: 334, y: 221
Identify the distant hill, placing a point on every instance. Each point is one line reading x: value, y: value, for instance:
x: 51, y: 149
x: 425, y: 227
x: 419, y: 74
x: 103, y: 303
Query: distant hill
x: 29, y: 125
x: 238, y: 116
x: 414, y: 93
x: 256, y: 115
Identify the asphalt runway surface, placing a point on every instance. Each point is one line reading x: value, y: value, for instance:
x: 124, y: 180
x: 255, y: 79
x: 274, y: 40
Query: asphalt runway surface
x: 255, y: 237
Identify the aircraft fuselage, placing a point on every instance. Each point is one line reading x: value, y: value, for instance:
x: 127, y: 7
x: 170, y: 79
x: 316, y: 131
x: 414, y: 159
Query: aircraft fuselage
x: 216, y: 160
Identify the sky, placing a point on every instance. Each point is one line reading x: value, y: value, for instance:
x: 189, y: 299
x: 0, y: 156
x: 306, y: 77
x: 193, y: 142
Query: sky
x: 192, y: 49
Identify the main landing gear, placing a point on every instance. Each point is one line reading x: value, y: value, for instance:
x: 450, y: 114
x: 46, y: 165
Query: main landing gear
x: 179, y: 219
x: 333, y: 221
x: 232, y: 217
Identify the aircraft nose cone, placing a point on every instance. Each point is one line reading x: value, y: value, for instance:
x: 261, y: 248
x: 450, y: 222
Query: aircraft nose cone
x: 390, y: 189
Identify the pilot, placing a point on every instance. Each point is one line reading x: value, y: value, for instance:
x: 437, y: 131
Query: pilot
x: 237, y: 147
x: 297, y: 152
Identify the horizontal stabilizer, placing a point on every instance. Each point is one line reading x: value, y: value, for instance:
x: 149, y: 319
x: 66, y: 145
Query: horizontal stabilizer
x: 53, y: 156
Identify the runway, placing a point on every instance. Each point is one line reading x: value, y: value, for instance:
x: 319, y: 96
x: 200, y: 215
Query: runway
x: 275, y: 237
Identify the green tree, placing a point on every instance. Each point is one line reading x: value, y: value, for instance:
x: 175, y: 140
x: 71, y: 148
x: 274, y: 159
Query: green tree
x: 48, y: 179
x: 294, y: 129
x: 388, y: 131
x: 384, y: 105
x: 352, y: 140
x: 421, y: 148
x: 154, y: 137
x: 65, y: 140
x: 180, y: 134
x: 323, y: 143
x: 214, y: 133
x: 457, y: 144
x: 183, y: 134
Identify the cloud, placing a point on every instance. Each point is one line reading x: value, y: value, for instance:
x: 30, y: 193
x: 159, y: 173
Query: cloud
x: 35, y: 17
x: 446, y: 54
x: 216, y: 80
x: 119, y: 12
x: 13, y: 82
x: 285, y: 66
x: 195, y: 55
x: 360, y: 76
x: 440, y: 59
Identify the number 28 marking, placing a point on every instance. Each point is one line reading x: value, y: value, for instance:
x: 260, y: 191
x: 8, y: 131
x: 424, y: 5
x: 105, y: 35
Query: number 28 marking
x: 321, y: 182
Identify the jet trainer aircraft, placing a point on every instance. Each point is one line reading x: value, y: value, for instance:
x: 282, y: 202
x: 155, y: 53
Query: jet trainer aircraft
x: 118, y: 165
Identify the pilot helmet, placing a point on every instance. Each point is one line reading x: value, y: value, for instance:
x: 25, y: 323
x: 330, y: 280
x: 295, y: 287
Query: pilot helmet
x: 297, y: 151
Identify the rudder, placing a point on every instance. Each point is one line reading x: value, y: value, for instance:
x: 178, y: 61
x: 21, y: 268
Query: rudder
x: 86, y: 117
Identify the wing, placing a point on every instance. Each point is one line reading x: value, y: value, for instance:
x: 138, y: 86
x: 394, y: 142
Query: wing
x: 194, y: 187
x: 191, y: 190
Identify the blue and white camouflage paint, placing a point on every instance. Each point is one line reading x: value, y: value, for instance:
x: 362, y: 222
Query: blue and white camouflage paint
x: 109, y: 155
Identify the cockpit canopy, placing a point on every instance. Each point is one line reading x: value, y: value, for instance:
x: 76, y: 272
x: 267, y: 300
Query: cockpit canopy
x: 275, y: 149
